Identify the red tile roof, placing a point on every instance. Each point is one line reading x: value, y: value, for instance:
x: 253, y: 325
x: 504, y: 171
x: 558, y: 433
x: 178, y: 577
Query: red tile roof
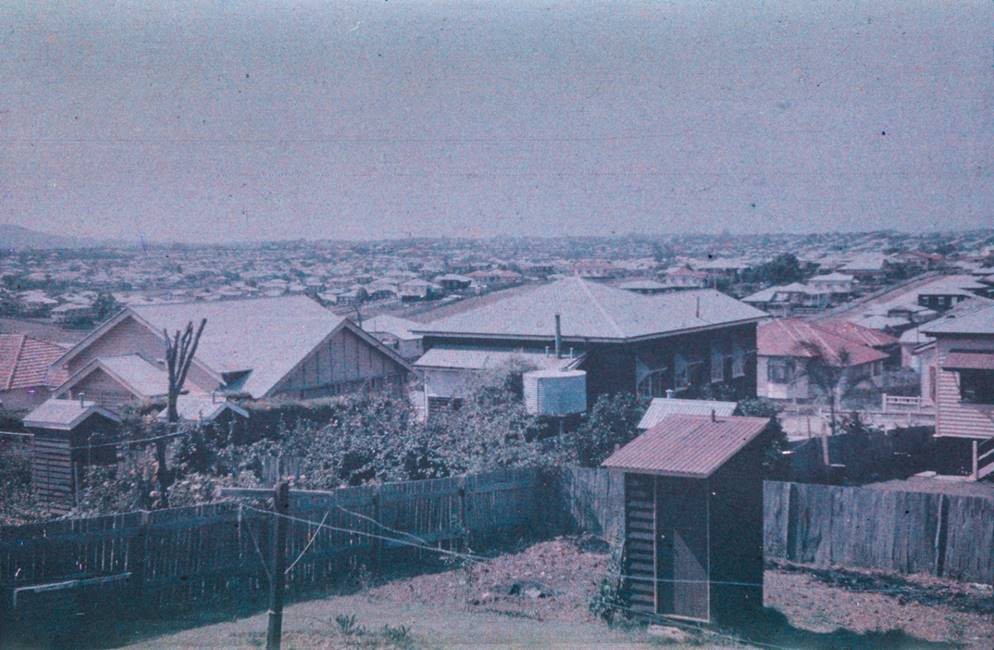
x: 25, y: 361
x: 692, y: 446
x: 791, y: 337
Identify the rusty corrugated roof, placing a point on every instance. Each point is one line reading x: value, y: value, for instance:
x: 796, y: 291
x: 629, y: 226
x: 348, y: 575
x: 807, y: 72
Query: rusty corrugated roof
x: 692, y: 446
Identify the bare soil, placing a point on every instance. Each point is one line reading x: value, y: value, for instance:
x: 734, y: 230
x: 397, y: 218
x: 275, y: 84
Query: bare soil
x: 538, y: 596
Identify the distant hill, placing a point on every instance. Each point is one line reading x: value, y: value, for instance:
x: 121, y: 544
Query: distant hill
x: 18, y: 238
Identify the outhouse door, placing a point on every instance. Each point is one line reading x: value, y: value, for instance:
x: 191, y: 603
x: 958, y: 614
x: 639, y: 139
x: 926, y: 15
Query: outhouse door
x: 682, y: 561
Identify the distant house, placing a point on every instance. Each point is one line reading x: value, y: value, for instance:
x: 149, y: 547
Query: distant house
x: 788, y: 347
x: 396, y: 333
x: 495, y: 278
x: 730, y: 269
x: 684, y: 278
x: 645, y: 287
x: 415, y: 290
x: 948, y: 291
x: 453, y: 281
x: 288, y: 346
x: 688, y: 342
x: 874, y: 338
x: 790, y: 299
x: 24, y: 370
x: 870, y: 268
x: 838, y: 285
x: 964, y: 383
x: 596, y: 269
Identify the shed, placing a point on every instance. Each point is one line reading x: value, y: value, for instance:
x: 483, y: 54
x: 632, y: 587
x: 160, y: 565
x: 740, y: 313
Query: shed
x: 694, y: 517
x: 64, y: 433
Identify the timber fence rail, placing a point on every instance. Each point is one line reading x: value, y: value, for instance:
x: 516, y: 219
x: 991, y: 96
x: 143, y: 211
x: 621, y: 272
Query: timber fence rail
x: 182, y: 557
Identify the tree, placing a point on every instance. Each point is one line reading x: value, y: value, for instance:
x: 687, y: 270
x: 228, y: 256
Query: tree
x: 829, y: 375
x: 180, y: 350
x: 775, y: 465
x: 611, y: 423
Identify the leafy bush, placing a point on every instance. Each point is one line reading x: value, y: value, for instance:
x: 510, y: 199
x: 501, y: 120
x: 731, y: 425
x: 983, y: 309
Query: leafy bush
x: 611, y: 423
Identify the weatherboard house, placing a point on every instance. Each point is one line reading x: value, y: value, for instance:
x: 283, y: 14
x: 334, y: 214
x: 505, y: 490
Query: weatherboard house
x: 288, y: 347
x: 690, y: 343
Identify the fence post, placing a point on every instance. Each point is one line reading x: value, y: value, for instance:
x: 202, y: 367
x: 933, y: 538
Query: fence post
x: 136, y: 560
x: 462, y: 510
x: 277, y: 583
x: 377, y: 542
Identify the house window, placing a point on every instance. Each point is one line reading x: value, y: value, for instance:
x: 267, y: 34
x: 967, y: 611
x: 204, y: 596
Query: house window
x: 780, y: 370
x: 682, y: 376
x: 976, y: 386
x: 738, y: 360
x: 717, y: 363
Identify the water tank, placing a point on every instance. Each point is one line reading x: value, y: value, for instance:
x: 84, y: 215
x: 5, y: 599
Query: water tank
x: 555, y: 393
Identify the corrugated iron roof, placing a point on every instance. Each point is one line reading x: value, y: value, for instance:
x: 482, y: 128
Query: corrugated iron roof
x: 980, y: 321
x: 969, y: 360
x: 478, y: 359
x: 64, y: 414
x: 596, y: 311
x: 791, y: 337
x: 690, y: 446
x: 661, y: 407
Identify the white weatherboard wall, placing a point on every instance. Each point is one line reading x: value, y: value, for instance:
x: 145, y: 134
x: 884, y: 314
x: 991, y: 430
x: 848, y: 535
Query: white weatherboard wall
x: 555, y: 393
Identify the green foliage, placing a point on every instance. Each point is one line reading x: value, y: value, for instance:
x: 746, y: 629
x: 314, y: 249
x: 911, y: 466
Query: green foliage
x: 775, y: 463
x: 611, y: 423
x: 17, y: 502
x: 606, y: 602
x: 782, y: 269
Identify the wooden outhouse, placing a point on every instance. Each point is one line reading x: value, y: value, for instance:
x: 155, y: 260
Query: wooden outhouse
x: 68, y: 436
x: 694, y: 517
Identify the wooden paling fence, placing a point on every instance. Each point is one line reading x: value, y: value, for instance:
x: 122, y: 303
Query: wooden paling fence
x: 174, y: 558
x: 905, y: 532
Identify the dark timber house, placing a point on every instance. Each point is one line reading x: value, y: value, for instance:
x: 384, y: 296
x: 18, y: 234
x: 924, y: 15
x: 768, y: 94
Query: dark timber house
x: 695, y: 343
x: 694, y: 517
x: 68, y: 436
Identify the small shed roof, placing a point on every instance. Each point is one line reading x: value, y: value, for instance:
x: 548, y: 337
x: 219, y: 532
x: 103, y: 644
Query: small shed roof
x: 662, y: 407
x: 478, y: 359
x: 202, y: 408
x: 689, y: 446
x: 65, y: 414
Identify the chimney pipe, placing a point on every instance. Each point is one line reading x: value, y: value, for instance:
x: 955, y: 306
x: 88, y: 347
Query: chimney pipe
x: 714, y: 417
x: 669, y: 393
x: 559, y: 337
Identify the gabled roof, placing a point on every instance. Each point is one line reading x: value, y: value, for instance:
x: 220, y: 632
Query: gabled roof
x: 264, y: 337
x: 663, y: 407
x: 792, y: 337
x: 202, y: 408
x: 591, y: 310
x: 25, y: 361
x: 690, y: 446
x: 140, y: 377
x: 64, y: 414
x: 979, y: 321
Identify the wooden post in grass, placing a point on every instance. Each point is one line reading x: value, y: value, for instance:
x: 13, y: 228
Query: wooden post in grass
x: 277, y: 583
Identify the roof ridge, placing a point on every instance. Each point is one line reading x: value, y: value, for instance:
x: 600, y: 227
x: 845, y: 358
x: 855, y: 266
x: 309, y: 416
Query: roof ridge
x: 17, y: 360
x: 600, y: 307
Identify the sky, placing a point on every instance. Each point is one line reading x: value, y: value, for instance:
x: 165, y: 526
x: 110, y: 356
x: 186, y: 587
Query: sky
x: 220, y: 121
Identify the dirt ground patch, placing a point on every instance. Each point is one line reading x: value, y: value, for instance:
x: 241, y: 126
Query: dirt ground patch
x: 922, y: 607
x: 538, y: 596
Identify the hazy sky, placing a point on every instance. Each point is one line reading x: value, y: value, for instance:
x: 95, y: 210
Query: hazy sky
x: 237, y: 120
